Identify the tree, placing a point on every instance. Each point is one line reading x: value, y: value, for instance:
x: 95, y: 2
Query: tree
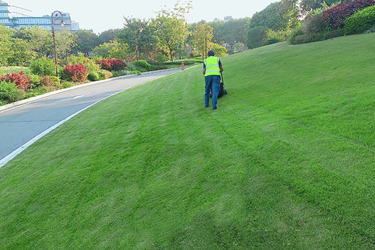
x: 107, y: 36
x: 21, y: 52
x: 65, y: 42
x: 290, y: 12
x: 40, y: 41
x: 86, y: 41
x: 171, y: 28
x: 5, y: 45
x: 143, y: 30
x: 236, y: 31
x: 270, y: 18
x: 256, y: 37
x: 203, y: 35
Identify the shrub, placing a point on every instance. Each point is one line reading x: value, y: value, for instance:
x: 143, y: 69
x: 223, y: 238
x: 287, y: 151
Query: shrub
x: 334, y: 18
x: 360, y: 21
x: 49, y: 81
x: 161, y: 58
x: 294, y: 33
x: 131, y: 66
x: 130, y: 59
x: 87, y: 62
x: 43, y: 66
x: 76, y: 73
x: 104, y: 74
x: 333, y: 34
x: 308, y: 38
x: 93, y: 76
x: 117, y: 64
x: 120, y: 73
x: 67, y: 85
x: 136, y: 72
x: 112, y: 64
x: 104, y: 64
x: 314, y: 24
x: 34, y: 81
x: 9, y: 92
x: 274, y: 36
x: 144, y: 64
x: 22, y: 81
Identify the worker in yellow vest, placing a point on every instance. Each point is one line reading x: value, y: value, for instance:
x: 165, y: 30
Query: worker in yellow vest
x: 212, y: 68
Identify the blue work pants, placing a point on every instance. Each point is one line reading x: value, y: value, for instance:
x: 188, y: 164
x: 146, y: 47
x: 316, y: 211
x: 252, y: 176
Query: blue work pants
x: 212, y: 82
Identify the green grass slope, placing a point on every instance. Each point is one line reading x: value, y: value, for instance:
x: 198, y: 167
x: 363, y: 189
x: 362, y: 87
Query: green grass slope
x: 286, y: 162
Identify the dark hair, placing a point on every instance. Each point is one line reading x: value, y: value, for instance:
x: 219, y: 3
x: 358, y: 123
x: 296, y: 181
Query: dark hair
x: 211, y: 53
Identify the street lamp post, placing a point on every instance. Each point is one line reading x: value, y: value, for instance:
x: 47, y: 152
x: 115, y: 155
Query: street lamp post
x: 53, y: 35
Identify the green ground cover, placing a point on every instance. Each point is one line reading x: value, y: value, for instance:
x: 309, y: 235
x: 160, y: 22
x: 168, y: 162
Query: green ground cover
x: 286, y: 162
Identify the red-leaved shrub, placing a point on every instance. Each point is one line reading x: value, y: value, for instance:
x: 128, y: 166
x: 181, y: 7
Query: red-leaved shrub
x: 22, y: 81
x: 130, y: 59
x: 117, y: 64
x: 105, y: 64
x: 112, y: 64
x: 334, y: 18
x: 76, y: 73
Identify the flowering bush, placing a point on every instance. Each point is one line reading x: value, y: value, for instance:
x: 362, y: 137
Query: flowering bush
x: 76, y: 73
x: 43, y: 66
x: 334, y: 18
x: 130, y: 59
x: 112, y: 64
x: 22, y: 81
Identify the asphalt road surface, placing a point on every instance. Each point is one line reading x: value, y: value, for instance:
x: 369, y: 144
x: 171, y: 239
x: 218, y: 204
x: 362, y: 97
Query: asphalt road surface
x: 22, y: 124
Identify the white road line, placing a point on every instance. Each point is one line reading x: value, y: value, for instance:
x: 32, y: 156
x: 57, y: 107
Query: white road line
x: 79, y: 96
x: 16, y: 152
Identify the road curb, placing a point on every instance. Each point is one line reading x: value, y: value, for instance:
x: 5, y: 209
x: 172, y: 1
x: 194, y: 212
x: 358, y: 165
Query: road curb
x: 35, y: 98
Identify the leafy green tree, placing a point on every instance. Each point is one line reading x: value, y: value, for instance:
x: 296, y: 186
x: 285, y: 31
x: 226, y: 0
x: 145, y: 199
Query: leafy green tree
x: 203, y: 35
x: 102, y: 50
x: 290, y: 12
x: 21, y: 52
x: 118, y: 50
x: 86, y: 41
x: 171, y: 29
x: 65, y: 42
x: 5, y: 45
x: 40, y: 40
x: 107, y: 36
x: 145, y: 33
x: 270, y: 18
x: 257, y: 35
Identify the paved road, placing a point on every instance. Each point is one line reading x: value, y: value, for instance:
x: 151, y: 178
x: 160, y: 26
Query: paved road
x: 21, y: 124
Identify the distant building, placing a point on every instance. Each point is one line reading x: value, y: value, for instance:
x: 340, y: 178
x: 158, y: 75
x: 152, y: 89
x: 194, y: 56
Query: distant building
x: 227, y: 18
x: 16, y: 18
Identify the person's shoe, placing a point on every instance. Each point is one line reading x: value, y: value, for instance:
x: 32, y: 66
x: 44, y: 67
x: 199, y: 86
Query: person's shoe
x: 215, y: 107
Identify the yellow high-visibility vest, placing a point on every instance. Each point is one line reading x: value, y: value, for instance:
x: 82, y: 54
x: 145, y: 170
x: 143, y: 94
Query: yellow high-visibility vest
x: 212, y: 66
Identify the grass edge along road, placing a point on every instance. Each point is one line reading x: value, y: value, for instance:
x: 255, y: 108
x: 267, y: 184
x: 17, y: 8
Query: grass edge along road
x: 287, y: 162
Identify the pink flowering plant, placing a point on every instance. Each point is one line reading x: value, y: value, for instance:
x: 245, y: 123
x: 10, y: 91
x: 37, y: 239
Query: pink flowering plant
x: 43, y: 66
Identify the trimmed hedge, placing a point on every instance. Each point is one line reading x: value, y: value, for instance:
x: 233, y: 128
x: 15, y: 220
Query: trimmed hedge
x: 360, y: 21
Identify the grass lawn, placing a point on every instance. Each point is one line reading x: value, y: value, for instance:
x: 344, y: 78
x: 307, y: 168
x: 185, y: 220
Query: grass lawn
x: 286, y: 162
